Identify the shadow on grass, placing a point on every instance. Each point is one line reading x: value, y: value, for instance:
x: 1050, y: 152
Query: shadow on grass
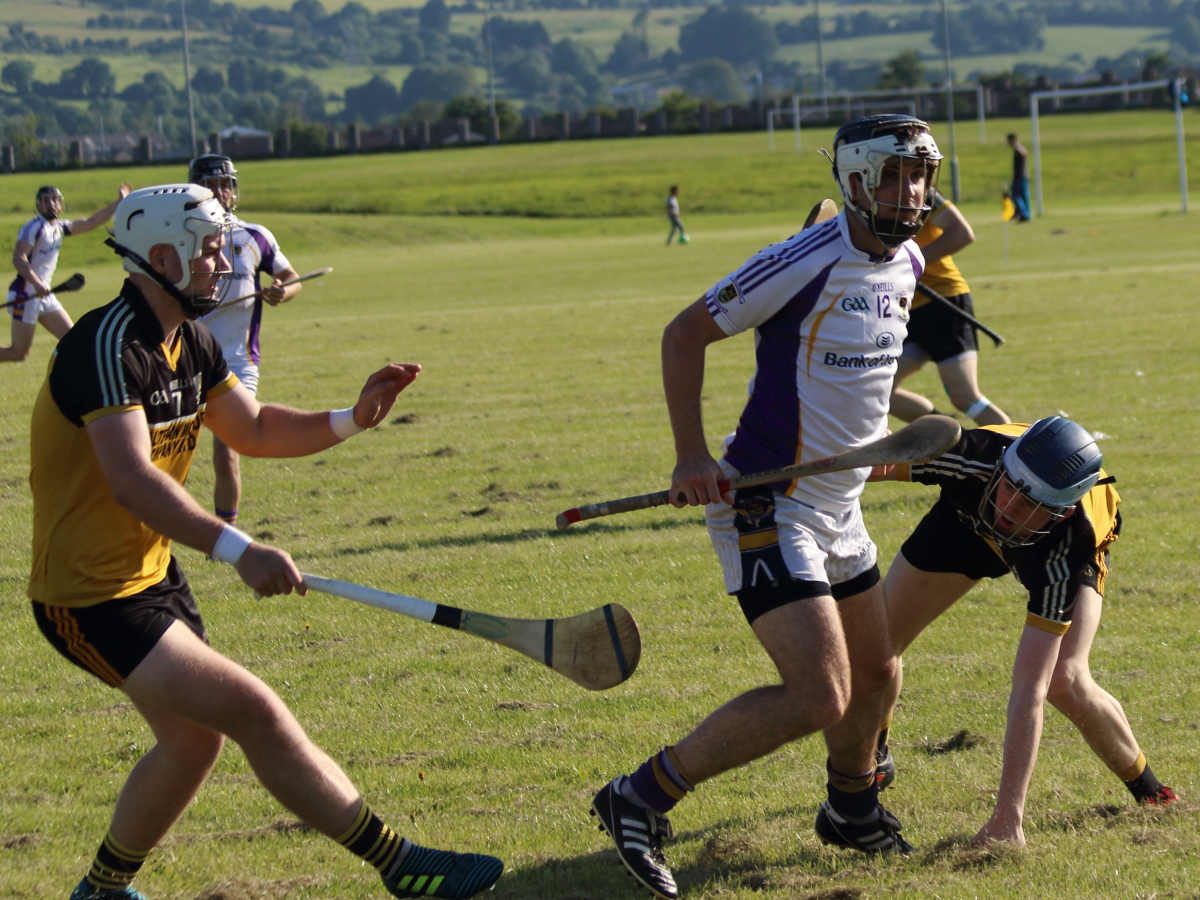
x: 512, y: 537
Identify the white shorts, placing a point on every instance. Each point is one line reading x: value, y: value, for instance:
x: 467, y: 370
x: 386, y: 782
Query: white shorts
x: 246, y: 372
x: 775, y: 550
x: 30, y: 309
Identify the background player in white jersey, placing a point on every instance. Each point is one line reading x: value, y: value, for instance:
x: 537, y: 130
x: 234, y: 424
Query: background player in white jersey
x: 35, y: 257
x: 829, y: 308
x: 253, y: 251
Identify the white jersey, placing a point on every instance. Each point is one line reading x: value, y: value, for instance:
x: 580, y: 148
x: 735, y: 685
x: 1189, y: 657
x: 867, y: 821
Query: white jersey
x: 252, y: 250
x: 46, y: 237
x: 829, y: 324
x: 672, y: 206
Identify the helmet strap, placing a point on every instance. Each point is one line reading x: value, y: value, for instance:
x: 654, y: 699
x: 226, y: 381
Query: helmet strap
x: 188, y: 304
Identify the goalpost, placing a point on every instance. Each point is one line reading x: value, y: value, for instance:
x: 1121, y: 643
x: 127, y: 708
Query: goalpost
x: 1035, y: 102
x: 797, y: 114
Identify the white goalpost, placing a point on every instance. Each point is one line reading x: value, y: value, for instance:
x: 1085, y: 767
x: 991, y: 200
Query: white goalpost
x: 1035, y: 102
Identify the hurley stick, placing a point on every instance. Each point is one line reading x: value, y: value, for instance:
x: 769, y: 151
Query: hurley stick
x: 935, y: 296
x: 926, y: 438
x: 315, y: 273
x: 597, y: 649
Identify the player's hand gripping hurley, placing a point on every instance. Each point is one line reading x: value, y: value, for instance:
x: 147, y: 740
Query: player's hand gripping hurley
x: 315, y: 273
x: 597, y: 649
x: 74, y: 283
x: 923, y: 440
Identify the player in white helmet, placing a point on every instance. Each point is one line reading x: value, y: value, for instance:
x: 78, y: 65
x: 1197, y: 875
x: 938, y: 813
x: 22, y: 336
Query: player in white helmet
x: 252, y: 252
x: 829, y: 308
x: 35, y: 258
x: 114, y: 431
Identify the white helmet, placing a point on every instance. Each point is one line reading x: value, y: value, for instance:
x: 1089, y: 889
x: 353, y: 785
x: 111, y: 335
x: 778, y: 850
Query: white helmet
x: 181, y: 215
x: 864, y: 147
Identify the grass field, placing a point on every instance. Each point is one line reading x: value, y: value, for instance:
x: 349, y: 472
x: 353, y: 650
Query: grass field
x: 539, y: 336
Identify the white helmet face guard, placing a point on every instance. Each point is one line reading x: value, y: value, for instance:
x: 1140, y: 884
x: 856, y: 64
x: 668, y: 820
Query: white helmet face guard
x: 1029, y: 519
x: 873, y: 160
x: 200, y: 228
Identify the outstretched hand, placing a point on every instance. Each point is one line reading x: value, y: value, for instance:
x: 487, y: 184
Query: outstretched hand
x: 123, y: 190
x: 380, y: 393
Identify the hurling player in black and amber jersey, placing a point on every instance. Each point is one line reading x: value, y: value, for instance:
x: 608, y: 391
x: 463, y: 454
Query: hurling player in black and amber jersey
x: 1031, y: 500
x: 113, y: 434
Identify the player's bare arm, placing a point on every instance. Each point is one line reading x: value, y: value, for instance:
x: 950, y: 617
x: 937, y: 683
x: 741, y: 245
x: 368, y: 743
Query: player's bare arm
x: 956, y: 235
x: 1037, y: 656
x: 122, y: 446
x: 100, y: 216
x: 276, y: 292
x: 683, y: 350
x: 257, y: 429
x: 22, y: 253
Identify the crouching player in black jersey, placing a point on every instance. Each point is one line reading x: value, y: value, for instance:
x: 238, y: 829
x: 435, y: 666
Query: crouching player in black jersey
x: 114, y: 430
x: 1032, y: 500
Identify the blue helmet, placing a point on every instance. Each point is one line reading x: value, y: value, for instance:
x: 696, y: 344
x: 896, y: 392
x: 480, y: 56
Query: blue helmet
x: 1048, y: 469
x: 1056, y: 460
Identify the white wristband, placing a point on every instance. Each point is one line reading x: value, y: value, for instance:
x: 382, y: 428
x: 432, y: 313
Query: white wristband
x: 231, y: 545
x: 342, y: 423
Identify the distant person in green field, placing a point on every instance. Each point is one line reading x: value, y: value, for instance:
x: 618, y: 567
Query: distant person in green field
x: 673, y: 217
x: 35, y: 257
x: 1020, y: 178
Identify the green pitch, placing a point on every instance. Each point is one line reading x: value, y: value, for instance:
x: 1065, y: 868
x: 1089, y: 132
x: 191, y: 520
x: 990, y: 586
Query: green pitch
x: 539, y: 338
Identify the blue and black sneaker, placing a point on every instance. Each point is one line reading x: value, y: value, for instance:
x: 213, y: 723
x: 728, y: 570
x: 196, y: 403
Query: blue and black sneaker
x: 422, y: 872
x: 85, y: 891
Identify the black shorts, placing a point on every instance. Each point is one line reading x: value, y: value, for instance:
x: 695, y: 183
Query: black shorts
x: 110, y: 639
x: 939, y: 332
x: 944, y: 543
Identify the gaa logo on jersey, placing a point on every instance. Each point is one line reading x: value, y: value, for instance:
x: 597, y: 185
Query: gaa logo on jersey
x: 728, y: 294
x: 885, y: 340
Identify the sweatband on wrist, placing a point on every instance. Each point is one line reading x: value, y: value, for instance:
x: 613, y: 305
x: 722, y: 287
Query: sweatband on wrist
x: 231, y: 545
x: 342, y: 423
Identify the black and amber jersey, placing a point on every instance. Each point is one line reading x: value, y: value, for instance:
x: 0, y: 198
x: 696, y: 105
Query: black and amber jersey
x: 86, y: 547
x: 1073, y: 553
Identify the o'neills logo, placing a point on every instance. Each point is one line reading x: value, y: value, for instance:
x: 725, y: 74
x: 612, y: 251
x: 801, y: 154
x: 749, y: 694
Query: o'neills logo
x: 859, y: 362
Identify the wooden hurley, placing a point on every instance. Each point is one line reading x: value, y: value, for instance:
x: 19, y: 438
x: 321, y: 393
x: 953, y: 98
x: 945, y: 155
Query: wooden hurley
x: 925, y: 439
x: 597, y: 650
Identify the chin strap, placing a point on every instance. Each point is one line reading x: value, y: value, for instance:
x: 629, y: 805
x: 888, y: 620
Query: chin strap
x: 190, y: 309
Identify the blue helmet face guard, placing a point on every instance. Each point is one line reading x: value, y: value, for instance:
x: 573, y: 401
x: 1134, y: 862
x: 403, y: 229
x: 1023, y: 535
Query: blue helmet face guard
x: 1042, y: 476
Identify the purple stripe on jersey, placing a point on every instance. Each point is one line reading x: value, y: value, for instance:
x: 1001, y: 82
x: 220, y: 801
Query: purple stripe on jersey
x: 784, y: 262
x: 18, y: 286
x: 753, y: 268
x: 770, y: 424
x: 266, y: 256
x: 255, y: 325
x: 917, y: 268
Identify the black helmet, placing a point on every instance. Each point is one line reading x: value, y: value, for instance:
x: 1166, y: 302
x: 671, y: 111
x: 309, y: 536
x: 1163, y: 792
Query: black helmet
x: 213, y: 166
x: 47, y: 190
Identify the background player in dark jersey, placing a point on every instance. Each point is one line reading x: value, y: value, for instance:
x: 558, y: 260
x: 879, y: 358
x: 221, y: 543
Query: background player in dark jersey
x: 935, y: 332
x: 114, y: 431
x: 1032, y: 500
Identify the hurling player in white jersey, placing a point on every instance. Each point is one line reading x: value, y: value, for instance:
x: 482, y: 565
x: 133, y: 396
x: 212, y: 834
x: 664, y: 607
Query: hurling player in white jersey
x: 35, y: 257
x: 253, y: 252
x: 829, y: 308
